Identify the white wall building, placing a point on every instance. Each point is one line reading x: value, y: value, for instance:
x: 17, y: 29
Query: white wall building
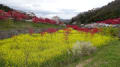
x: 56, y: 18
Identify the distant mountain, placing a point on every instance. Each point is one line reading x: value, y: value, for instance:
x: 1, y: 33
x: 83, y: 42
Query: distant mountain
x: 66, y: 21
x: 111, y: 10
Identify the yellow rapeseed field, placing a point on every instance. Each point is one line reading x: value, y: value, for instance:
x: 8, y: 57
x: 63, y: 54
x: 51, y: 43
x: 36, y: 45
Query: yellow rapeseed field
x: 35, y: 50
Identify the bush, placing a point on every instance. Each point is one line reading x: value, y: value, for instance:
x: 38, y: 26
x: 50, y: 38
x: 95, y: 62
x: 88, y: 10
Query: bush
x: 83, y: 49
x: 110, y: 31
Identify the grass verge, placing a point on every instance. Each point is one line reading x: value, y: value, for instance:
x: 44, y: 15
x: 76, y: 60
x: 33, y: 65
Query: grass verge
x: 10, y: 24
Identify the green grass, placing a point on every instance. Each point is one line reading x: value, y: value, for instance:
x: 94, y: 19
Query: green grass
x: 10, y: 24
x: 107, y: 56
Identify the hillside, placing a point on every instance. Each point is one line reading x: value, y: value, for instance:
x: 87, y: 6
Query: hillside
x: 108, y: 11
x: 15, y: 19
x: 9, y: 24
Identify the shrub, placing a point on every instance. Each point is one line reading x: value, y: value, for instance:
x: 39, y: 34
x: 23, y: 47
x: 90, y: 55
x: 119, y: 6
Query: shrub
x: 110, y: 31
x: 83, y: 48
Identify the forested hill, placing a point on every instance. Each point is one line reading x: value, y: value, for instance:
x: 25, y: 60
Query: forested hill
x: 111, y: 10
x: 5, y: 8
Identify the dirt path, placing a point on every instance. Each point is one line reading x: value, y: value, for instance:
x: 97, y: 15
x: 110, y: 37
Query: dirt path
x: 84, y: 62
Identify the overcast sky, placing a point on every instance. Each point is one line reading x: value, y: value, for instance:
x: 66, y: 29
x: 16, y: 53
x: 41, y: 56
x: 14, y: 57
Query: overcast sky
x: 65, y: 9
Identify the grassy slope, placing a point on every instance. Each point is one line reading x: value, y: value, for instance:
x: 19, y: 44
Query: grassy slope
x: 107, y: 56
x: 9, y: 24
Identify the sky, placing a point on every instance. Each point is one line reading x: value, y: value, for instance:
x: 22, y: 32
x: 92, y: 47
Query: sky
x: 65, y: 9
